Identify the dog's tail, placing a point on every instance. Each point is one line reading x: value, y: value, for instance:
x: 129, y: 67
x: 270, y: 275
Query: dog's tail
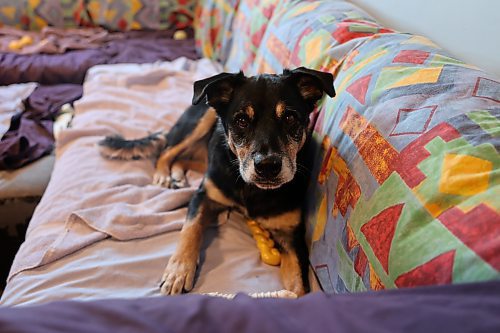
x: 116, y: 147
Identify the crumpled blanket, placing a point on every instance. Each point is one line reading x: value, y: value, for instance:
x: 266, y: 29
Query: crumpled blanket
x: 29, y: 135
x: 111, y: 198
x: 71, y: 66
x: 12, y: 102
x: 52, y: 40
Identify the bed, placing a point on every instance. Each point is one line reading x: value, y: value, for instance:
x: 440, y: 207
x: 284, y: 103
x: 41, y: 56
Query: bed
x: 101, y: 234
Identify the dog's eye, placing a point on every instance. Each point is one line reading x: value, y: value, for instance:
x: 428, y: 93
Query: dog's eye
x: 290, y: 118
x: 242, y: 120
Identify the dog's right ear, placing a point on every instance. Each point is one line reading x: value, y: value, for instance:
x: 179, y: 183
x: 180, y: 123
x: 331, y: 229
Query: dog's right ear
x: 218, y: 89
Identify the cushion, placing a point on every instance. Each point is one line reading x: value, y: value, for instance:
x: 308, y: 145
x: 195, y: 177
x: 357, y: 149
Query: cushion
x: 213, y: 27
x: 34, y: 15
x: 315, y: 34
x: 250, y: 23
x: 141, y: 14
x: 406, y: 185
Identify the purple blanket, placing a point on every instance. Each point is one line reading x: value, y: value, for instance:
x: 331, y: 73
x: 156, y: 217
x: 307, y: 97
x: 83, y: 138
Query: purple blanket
x: 30, y: 134
x: 455, y: 308
x: 70, y: 67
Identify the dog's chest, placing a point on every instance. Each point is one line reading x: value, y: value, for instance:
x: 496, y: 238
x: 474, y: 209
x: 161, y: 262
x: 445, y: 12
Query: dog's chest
x: 262, y: 204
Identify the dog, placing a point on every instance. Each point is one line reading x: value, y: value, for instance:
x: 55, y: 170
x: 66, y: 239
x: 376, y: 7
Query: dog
x: 248, y: 139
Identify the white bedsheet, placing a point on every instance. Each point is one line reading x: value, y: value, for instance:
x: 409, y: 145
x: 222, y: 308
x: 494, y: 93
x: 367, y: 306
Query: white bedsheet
x: 115, y: 269
x: 101, y: 228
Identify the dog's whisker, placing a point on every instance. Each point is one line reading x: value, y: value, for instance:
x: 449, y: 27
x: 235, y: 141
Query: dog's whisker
x: 303, y: 167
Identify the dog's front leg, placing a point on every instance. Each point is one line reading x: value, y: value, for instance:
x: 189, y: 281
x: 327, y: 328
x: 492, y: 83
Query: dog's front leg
x: 181, y: 268
x: 291, y: 272
x: 287, y: 231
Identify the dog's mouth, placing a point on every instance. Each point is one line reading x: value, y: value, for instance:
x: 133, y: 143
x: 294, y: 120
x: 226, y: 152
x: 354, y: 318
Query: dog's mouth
x: 268, y: 184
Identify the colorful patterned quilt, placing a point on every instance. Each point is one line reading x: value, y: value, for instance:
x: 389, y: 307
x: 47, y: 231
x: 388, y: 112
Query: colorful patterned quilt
x: 406, y: 186
x: 111, y: 14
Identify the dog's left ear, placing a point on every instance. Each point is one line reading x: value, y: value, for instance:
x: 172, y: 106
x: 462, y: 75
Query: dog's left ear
x: 311, y: 83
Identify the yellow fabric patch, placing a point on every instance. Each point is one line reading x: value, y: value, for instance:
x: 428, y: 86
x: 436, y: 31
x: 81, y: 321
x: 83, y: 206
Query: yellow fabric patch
x: 40, y: 22
x: 9, y: 11
x: 375, y: 282
x: 207, y: 50
x: 321, y: 219
x: 110, y: 15
x: 135, y: 25
x: 33, y: 3
x: 135, y: 6
x: 420, y: 40
x: 424, y: 75
x: 464, y: 175
x: 313, y: 47
x: 307, y: 8
x: 371, y: 58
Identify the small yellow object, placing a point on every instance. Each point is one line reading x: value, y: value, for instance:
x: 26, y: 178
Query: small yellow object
x: 180, y: 35
x: 20, y: 43
x: 268, y: 253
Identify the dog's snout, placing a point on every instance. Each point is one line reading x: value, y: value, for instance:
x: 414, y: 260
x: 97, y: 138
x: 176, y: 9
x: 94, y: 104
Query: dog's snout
x: 267, y: 166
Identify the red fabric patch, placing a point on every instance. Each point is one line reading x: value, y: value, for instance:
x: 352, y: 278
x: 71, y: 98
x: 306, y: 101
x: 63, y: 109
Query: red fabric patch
x: 257, y: 36
x: 379, y: 232
x: 360, y: 262
x: 122, y: 24
x: 411, y: 57
x: 409, y: 158
x: 214, y: 32
x: 295, y: 59
x: 486, y: 88
x: 359, y: 88
x: 344, y: 34
x: 347, y: 194
x: 479, y: 229
x: 377, y: 153
x: 268, y: 11
x: 437, y: 271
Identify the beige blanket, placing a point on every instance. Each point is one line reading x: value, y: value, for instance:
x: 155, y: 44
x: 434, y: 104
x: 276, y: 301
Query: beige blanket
x: 90, y: 198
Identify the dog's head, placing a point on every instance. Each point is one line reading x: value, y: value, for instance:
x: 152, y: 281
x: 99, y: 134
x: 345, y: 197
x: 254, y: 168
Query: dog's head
x: 265, y: 118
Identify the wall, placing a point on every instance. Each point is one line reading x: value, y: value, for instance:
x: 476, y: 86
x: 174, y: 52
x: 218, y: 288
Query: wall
x: 469, y: 29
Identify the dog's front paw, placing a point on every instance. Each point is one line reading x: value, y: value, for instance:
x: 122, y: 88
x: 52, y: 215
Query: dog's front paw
x: 167, y: 181
x: 178, y: 276
x: 178, y: 183
x: 161, y: 179
x: 295, y: 287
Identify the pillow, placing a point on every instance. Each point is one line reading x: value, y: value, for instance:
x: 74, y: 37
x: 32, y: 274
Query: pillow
x: 249, y: 26
x: 213, y: 28
x: 34, y: 15
x: 141, y: 14
x: 407, y: 176
x: 315, y: 34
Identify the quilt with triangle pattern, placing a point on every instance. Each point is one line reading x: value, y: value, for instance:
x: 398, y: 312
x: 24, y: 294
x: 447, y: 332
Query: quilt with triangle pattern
x: 406, y: 181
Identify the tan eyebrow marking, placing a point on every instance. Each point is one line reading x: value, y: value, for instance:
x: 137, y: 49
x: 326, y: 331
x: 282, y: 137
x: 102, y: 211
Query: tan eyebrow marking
x: 280, y: 109
x: 250, y: 111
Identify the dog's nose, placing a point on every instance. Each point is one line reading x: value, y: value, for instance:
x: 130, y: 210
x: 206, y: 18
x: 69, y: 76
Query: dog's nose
x: 267, y: 166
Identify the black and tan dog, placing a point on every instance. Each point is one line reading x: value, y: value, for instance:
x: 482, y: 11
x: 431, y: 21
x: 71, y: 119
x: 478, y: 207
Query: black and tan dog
x: 248, y: 138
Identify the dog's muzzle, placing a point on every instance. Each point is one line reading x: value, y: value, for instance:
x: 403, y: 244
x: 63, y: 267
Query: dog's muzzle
x: 267, y: 167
